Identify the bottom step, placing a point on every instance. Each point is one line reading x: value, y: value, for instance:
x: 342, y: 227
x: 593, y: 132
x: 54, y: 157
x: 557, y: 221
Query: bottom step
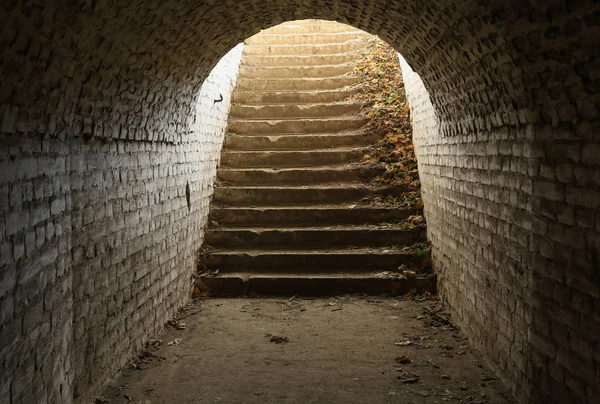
x: 238, y: 284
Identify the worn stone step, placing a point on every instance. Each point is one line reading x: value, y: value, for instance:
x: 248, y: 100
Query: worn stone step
x: 312, y: 284
x: 283, y: 216
x: 298, y: 176
x: 312, y: 49
x: 314, y: 237
x: 319, y: 228
x: 311, y: 21
x: 300, y: 195
x: 307, y: 38
x: 299, y: 28
x: 295, y: 97
x: 292, y: 72
x: 297, y: 142
x: 298, y: 125
x: 304, y: 84
x: 320, y: 110
x: 298, y: 60
x: 283, y: 158
x: 329, y: 261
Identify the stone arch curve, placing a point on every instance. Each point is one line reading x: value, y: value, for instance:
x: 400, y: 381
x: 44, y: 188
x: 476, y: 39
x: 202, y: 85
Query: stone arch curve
x: 156, y: 54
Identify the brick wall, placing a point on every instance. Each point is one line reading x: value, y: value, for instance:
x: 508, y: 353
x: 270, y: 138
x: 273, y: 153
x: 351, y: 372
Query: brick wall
x: 96, y: 156
x: 98, y: 244
x: 515, y: 243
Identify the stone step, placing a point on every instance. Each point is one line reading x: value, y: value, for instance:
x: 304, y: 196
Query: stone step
x: 298, y: 60
x: 283, y: 216
x: 303, y: 84
x: 297, y: 142
x: 295, y: 212
x: 312, y: 284
x: 316, y: 27
x: 320, y: 110
x: 326, y: 49
x: 295, y: 97
x: 312, y: 21
x: 291, y: 261
x: 284, y: 158
x: 313, y: 237
x: 316, y: 125
x: 307, y: 38
x: 300, y: 195
x: 297, y: 176
x: 291, y: 72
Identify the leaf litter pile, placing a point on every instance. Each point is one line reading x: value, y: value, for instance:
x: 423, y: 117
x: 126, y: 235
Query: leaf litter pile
x: 389, y: 118
x: 388, y: 114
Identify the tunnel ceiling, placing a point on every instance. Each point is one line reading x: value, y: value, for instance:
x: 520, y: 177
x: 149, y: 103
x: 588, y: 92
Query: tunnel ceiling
x: 129, y: 69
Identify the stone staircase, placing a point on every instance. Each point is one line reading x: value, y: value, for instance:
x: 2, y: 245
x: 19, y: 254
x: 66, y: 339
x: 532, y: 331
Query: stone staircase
x: 291, y: 212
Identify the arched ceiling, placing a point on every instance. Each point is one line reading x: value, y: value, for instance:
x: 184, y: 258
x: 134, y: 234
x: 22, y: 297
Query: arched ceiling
x: 131, y: 68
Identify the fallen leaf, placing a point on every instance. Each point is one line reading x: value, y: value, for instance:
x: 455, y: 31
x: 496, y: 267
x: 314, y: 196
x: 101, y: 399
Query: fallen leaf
x: 175, y: 342
x: 279, y: 339
x: 403, y: 343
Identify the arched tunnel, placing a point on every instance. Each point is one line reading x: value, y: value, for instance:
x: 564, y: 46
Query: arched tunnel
x: 97, y: 242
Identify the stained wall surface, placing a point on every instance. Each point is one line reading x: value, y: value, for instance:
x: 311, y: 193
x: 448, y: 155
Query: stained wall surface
x: 98, y: 245
x: 97, y: 150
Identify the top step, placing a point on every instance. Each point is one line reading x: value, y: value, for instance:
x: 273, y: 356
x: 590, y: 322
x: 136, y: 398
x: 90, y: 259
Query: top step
x: 298, y: 60
x: 306, y: 38
x: 301, y: 27
x: 313, y: 21
x: 327, y: 49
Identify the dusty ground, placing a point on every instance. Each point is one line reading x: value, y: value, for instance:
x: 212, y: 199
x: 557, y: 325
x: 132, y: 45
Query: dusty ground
x: 341, y: 350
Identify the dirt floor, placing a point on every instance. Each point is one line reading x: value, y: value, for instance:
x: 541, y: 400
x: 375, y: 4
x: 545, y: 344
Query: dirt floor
x: 337, y: 350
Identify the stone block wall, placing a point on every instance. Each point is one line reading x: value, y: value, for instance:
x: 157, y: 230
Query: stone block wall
x: 515, y: 240
x: 98, y: 242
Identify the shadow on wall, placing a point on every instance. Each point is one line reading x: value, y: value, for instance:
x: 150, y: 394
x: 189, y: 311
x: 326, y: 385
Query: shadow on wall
x: 103, y: 231
x: 423, y: 116
x: 425, y: 125
x: 209, y: 120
